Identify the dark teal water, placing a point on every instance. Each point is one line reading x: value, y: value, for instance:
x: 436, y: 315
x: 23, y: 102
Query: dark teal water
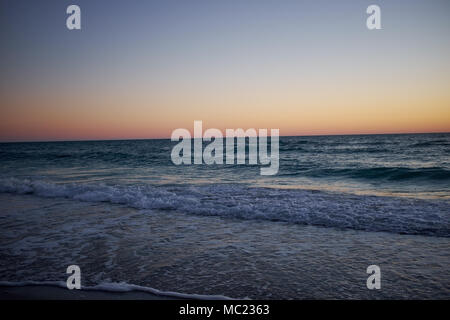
x: 416, y: 165
x: 395, y: 183
x: 129, y: 217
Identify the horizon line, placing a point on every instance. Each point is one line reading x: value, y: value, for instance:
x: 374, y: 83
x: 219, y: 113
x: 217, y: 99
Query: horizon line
x: 307, y: 135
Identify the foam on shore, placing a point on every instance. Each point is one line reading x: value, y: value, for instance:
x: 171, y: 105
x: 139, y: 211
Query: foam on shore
x: 107, y: 291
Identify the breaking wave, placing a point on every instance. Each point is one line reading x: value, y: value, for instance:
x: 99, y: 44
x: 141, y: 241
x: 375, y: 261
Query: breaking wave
x: 318, y: 208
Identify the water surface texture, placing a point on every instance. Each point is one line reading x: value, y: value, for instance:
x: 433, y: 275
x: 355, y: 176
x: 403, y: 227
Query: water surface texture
x: 128, y: 216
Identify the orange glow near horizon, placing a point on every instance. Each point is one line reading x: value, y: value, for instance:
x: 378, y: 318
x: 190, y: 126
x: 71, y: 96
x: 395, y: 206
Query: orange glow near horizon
x: 58, y: 117
x: 305, y: 68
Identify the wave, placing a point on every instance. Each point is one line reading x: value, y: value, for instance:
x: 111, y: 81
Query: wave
x: 106, y: 156
x: 318, y: 208
x: 380, y: 173
x: 117, y: 287
x: 432, y: 143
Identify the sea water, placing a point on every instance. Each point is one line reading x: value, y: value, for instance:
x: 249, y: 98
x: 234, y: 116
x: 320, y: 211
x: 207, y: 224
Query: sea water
x: 131, y: 219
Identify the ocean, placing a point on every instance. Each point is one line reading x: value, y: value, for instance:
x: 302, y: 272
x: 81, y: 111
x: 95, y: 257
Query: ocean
x: 132, y: 220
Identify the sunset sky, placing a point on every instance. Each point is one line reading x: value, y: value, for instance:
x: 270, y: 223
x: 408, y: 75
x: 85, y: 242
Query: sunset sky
x: 140, y: 69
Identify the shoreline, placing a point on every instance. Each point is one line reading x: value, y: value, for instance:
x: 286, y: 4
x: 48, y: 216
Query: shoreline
x: 198, y: 257
x: 48, y: 292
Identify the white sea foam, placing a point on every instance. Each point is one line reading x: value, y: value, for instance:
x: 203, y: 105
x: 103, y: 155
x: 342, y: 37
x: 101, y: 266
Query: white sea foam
x: 116, y: 287
x: 369, y: 213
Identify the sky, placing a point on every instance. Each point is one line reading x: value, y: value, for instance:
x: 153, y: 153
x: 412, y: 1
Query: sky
x: 141, y: 69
